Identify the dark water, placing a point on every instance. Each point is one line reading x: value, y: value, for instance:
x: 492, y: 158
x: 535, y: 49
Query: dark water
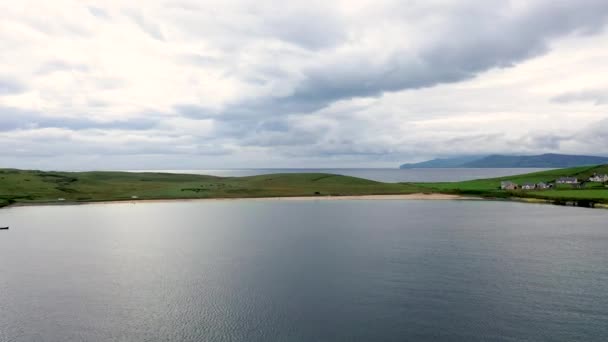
x: 381, y: 175
x: 304, y: 271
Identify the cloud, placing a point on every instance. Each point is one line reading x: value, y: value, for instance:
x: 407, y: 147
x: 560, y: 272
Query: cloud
x: 306, y: 26
x: 98, y: 12
x: 60, y: 66
x: 471, y: 45
x: 346, y: 83
x: 145, y: 24
x: 595, y: 96
x: 193, y: 111
x: 8, y: 86
x: 17, y: 119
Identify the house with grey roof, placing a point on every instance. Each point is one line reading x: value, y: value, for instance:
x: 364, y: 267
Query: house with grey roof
x: 567, y: 180
x: 543, y: 186
x: 528, y: 186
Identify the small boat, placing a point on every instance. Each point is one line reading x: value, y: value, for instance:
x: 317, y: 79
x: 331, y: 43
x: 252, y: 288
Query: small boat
x: 3, y: 228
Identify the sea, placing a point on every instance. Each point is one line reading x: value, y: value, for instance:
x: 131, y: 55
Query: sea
x: 304, y: 270
x: 392, y: 175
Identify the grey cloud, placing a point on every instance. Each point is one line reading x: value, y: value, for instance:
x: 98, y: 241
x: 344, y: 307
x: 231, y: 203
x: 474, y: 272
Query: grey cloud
x: 145, y: 24
x: 55, y: 27
x: 72, y: 145
x: 475, y: 139
x: 277, y: 133
x: 549, y: 141
x: 308, y: 26
x: 596, y: 96
x: 476, y: 49
x: 349, y: 147
x: 98, y: 12
x: 595, y: 134
x: 192, y: 111
x: 276, y: 139
x: 110, y: 83
x: 200, y: 60
x: 8, y: 87
x: 60, y: 65
x: 14, y: 118
x: 496, y: 39
x: 308, y: 29
x: 274, y: 125
x: 542, y: 142
x: 98, y: 103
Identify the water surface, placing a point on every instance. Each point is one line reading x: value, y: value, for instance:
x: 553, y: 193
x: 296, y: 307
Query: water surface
x: 247, y: 270
x: 381, y: 175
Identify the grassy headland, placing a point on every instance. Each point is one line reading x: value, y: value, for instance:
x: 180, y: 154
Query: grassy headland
x: 591, y: 192
x: 30, y: 186
x: 24, y: 186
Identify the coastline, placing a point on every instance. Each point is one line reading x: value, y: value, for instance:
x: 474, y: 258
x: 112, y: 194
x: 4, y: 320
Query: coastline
x: 413, y: 196
x: 395, y: 197
x: 44, y: 188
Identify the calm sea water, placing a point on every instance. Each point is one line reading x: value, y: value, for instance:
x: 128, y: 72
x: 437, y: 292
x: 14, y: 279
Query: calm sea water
x: 277, y: 270
x: 382, y: 175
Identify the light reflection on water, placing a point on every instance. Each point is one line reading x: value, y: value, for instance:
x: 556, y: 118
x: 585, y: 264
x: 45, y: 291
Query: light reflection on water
x: 304, y: 271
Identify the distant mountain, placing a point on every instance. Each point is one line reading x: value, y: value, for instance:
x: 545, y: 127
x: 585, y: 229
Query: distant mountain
x: 549, y: 160
x: 543, y: 160
x: 441, y: 163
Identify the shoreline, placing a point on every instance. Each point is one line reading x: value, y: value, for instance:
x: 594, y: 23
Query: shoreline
x: 413, y: 196
x: 394, y: 197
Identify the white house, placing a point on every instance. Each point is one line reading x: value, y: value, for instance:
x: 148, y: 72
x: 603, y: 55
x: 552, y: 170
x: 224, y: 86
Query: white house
x: 528, y: 186
x: 598, y: 178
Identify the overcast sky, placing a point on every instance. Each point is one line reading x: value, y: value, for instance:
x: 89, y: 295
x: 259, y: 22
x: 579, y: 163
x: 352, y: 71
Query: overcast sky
x: 180, y: 84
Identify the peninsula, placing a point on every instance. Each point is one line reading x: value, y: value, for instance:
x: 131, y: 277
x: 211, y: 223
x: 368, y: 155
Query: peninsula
x: 44, y: 187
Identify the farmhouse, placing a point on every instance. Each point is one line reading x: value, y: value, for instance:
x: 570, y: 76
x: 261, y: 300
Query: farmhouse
x: 567, y: 180
x: 508, y: 185
x: 598, y: 178
x: 543, y: 185
x: 528, y: 186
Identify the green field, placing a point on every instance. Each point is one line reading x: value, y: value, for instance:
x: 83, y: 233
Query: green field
x: 30, y: 186
x: 20, y: 186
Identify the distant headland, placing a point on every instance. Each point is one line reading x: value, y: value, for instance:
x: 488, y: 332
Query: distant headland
x: 548, y: 160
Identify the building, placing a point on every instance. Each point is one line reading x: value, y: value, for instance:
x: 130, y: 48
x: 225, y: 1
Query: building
x: 567, y: 180
x: 598, y: 178
x: 543, y: 186
x: 508, y: 185
x: 528, y: 186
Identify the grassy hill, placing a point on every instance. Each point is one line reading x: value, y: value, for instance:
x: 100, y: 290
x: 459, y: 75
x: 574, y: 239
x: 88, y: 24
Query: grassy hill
x: 39, y: 186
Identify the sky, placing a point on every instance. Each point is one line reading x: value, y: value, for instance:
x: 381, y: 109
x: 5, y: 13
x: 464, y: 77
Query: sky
x: 183, y: 84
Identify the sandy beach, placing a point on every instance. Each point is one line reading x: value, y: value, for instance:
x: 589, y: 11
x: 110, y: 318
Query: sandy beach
x: 415, y: 196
